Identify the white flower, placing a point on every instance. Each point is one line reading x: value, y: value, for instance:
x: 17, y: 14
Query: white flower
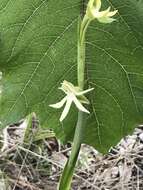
x: 93, y: 12
x: 73, y: 94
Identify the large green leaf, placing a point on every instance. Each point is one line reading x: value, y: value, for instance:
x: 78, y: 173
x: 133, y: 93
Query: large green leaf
x: 38, y: 51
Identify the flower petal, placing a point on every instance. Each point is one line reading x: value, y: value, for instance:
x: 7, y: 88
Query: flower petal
x: 101, y: 14
x: 106, y: 20
x: 79, y: 105
x: 60, y: 88
x: 59, y: 104
x: 66, y: 109
x: 98, y: 4
x: 84, y: 92
x: 83, y: 99
x: 112, y: 13
x: 90, y: 4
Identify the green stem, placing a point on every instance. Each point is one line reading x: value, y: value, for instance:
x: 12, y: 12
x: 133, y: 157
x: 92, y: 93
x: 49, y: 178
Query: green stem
x: 66, y: 179
x: 81, y: 51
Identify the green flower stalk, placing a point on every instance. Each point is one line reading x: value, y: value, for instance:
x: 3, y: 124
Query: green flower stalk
x: 75, y: 94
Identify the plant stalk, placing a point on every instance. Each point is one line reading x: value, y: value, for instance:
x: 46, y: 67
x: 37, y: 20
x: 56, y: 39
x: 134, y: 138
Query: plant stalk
x: 81, y: 50
x: 66, y: 179
x: 67, y: 175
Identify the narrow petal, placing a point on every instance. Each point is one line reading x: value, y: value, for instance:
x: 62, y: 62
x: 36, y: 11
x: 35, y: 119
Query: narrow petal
x: 79, y: 105
x: 101, y: 14
x: 90, y: 4
x: 98, y: 4
x: 59, y: 104
x: 83, y: 100
x: 106, y: 20
x: 67, y: 86
x: 66, y: 109
x: 112, y: 13
x: 84, y: 92
x: 60, y: 88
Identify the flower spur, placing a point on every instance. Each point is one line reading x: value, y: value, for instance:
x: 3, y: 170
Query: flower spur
x: 73, y: 94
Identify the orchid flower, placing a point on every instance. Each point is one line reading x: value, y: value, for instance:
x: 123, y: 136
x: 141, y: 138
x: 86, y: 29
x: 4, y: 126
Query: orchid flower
x: 73, y: 94
x: 93, y: 12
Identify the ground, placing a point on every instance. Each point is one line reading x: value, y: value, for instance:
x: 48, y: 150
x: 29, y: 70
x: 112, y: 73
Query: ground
x: 35, y: 162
